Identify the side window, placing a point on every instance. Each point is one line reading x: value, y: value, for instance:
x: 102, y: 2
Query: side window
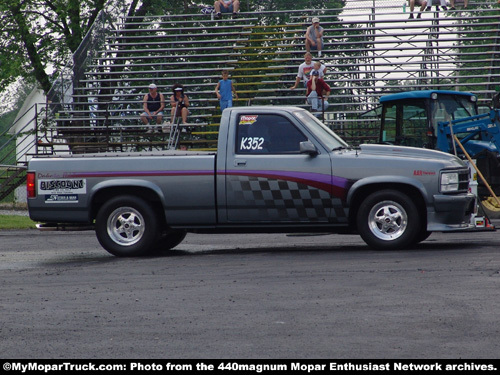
x: 405, y: 124
x: 414, y: 132
x: 389, y: 133
x: 267, y: 134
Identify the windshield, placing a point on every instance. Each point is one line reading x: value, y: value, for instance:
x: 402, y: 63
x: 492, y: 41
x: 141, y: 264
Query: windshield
x: 321, y: 131
x: 451, y: 107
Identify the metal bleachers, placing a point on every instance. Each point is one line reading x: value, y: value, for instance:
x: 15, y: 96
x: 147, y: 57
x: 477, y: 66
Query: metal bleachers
x: 369, y: 51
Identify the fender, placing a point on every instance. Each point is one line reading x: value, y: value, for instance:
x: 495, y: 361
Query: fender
x: 387, y: 179
x: 117, y: 183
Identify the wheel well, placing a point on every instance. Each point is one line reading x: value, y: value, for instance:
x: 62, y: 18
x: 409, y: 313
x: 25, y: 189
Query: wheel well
x: 146, y: 194
x: 363, y: 192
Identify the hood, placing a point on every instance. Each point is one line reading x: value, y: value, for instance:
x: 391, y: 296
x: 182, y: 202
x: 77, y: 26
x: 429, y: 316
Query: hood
x: 409, y: 152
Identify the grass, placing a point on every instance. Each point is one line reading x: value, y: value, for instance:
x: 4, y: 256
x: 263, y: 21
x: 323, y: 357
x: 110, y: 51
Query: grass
x: 16, y: 222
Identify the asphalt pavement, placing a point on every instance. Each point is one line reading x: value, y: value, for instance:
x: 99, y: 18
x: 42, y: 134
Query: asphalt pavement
x: 250, y: 296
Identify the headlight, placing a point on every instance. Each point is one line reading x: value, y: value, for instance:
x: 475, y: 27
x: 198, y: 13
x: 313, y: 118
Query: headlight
x: 449, y: 182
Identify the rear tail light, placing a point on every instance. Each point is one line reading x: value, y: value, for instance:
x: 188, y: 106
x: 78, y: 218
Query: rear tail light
x: 31, y: 185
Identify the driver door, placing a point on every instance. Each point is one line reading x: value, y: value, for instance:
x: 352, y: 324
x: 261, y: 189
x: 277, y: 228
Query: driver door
x: 269, y: 180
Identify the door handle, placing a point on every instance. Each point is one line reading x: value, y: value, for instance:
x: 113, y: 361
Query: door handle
x: 240, y: 163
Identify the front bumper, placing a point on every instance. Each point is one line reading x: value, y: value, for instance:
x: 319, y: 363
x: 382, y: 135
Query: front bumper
x: 451, y: 212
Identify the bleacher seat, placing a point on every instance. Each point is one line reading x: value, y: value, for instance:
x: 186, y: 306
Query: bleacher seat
x: 367, y: 57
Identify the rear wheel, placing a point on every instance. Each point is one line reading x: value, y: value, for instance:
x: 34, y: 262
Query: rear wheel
x: 388, y: 219
x: 127, y: 226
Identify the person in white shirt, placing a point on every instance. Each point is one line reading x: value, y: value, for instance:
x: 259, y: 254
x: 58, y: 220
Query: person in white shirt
x: 305, y: 70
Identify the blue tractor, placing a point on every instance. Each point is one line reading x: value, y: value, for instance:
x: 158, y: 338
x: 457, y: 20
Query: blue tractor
x: 431, y: 119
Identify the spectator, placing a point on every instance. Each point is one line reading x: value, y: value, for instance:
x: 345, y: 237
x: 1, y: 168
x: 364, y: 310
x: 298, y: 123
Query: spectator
x: 153, y: 104
x: 321, y: 68
x: 314, y: 36
x: 317, y: 91
x: 180, y: 103
x: 466, y: 3
x: 305, y: 70
x: 443, y: 5
x: 224, y: 91
x: 226, y: 6
x: 421, y: 3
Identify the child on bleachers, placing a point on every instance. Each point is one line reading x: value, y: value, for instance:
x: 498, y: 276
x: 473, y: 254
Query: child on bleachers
x: 224, y: 91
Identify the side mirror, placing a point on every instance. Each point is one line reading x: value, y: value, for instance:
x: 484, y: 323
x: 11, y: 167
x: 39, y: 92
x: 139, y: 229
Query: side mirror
x: 307, y: 147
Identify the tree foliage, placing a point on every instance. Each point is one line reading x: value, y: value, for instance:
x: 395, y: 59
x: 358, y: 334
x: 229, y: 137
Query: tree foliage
x: 39, y: 36
x: 481, y: 36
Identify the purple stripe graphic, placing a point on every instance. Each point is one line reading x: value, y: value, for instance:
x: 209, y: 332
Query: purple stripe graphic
x: 139, y: 174
x: 334, y: 185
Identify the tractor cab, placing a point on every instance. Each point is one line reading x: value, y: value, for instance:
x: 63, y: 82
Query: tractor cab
x: 412, y: 118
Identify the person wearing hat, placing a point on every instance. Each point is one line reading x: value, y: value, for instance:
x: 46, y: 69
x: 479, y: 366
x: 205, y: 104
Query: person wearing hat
x: 179, y: 102
x: 153, y: 104
x: 317, y: 90
x: 314, y: 36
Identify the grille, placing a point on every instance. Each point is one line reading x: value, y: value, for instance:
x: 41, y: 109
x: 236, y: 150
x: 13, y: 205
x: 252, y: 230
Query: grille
x: 463, y: 180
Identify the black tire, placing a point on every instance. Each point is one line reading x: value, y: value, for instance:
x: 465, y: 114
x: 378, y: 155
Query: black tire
x: 422, y: 236
x: 169, y: 240
x: 388, y: 220
x: 127, y: 226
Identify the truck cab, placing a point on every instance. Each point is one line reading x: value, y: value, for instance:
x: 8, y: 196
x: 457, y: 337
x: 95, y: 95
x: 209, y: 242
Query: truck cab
x: 412, y: 118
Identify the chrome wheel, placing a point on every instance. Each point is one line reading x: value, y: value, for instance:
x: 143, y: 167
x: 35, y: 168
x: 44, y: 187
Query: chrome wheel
x: 387, y: 220
x: 125, y: 226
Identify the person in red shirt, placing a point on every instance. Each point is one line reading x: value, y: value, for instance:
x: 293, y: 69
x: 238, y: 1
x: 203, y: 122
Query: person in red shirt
x: 317, y: 89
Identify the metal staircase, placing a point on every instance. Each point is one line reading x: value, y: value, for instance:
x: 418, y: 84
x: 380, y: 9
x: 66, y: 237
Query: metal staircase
x: 16, y: 147
x: 10, y: 178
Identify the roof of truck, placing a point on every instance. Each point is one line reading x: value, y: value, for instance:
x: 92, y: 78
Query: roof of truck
x: 420, y: 94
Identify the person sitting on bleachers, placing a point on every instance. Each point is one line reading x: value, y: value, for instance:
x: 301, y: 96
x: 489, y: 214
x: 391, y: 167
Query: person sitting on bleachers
x: 180, y: 103
x: 226, y: 6
x: 443, y: 5
x: 466, y: 3
x: 305, y: 70
x: 153, y: 104
x: 317, y: 92
x: 314, y: 36
x: 421, y: 3
x: 321, y: 68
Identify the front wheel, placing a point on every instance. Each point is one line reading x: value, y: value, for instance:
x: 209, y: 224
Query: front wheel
x: 169, y: 240
x: 388, y: 219
x: 127, y: 226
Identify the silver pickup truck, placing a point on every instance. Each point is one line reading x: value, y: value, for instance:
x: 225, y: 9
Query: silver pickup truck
x: 276, y: 169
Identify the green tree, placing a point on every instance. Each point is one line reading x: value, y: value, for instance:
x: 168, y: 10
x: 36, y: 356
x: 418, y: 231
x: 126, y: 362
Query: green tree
x: 39, y: 36
x: 480, y: 50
